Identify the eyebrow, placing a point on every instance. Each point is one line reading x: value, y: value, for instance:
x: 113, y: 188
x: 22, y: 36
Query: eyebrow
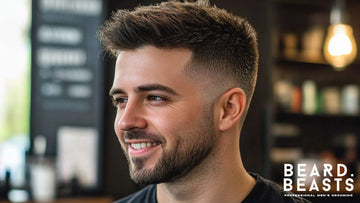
x: 114, y: 91
x: 146, y: 88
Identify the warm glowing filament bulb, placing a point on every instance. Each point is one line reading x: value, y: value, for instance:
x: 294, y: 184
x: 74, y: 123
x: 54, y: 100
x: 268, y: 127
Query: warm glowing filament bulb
x: 339, y: 43
x: 340, y: 47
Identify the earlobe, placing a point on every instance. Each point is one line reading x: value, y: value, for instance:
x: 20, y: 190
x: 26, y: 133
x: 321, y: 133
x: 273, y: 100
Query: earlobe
x: 233, y: 104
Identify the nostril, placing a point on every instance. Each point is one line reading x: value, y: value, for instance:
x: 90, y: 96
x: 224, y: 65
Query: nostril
x: 131, y: 119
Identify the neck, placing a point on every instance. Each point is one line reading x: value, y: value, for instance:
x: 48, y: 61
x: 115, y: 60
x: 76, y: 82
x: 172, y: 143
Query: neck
x: 221, y: 177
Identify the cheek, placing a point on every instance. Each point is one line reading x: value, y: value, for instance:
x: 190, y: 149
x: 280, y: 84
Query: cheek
x: 116, y: 123
x: 119, y: 133
x: 172, y: 123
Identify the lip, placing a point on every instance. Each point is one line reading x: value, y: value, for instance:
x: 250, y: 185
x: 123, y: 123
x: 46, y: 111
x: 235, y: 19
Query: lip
x: 147, y: 151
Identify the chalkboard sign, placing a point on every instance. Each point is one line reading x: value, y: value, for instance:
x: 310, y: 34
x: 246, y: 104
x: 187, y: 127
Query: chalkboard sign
x: 67, y: 85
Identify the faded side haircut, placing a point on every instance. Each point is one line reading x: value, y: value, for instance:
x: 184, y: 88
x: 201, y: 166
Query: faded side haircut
x: 224, y: 46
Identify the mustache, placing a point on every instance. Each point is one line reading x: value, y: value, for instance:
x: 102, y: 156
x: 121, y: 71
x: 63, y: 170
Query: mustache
x: 139, y: 134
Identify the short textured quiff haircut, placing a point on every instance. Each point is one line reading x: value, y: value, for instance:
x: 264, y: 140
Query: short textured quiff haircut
x: 224, y: 46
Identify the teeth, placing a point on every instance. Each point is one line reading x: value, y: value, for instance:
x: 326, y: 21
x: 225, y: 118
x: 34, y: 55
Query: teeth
x: 143, y: 145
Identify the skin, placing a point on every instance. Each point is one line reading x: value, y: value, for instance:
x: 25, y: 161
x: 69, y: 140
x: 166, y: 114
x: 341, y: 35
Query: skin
x: 173, y: 116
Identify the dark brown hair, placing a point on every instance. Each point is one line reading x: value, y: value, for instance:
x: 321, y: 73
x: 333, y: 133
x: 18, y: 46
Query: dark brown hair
x: 223, y: 45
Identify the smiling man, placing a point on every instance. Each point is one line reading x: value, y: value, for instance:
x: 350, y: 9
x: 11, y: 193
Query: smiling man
x: 160, y: 114
x: 184, y: 78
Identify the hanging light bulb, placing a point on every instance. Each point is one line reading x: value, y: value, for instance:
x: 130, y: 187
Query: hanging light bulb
x: 340, y: 46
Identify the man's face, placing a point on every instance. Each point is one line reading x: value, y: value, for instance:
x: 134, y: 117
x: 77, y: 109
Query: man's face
x: 163, y: 124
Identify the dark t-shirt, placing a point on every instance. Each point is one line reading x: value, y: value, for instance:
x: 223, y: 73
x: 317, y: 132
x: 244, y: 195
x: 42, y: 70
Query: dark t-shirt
x: 264, y: 191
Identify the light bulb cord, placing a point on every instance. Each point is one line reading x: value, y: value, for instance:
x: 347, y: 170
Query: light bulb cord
x: 338, y: 13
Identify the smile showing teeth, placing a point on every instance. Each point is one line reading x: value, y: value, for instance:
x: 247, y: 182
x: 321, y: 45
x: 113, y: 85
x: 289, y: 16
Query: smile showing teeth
x: 142, y: 145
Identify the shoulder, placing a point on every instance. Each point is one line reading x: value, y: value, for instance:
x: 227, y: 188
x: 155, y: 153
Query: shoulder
x: 146, y: 195
x: 270, y: 192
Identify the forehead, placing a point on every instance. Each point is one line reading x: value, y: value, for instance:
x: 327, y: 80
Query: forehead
x: 149, y: 54
x: 152, y: 65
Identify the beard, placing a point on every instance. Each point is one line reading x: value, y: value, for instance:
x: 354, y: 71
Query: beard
x: 189, y: 152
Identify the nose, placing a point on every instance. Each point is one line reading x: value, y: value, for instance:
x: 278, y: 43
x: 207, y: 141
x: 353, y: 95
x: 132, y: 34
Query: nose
x: 132, y: 117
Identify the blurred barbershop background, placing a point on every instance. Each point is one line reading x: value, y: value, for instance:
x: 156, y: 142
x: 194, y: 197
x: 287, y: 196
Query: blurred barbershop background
x: 57, y: 142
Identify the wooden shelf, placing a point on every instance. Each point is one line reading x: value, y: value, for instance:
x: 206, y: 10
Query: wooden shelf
x: 312, y: 3
x: 323, y: 118
x: 302, y: 60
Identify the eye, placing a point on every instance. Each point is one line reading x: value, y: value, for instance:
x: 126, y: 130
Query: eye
x: 155, y: 98
x: 119, y: 102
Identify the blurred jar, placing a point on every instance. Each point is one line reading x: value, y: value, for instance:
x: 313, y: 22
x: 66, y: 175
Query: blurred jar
x: 43, y: 180
x: 350, y: 100
x: 283, y: 93
x: 309, y: 97
x: 332, y: 101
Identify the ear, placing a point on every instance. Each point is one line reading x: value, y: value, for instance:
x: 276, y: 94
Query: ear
x: 232, y: 105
